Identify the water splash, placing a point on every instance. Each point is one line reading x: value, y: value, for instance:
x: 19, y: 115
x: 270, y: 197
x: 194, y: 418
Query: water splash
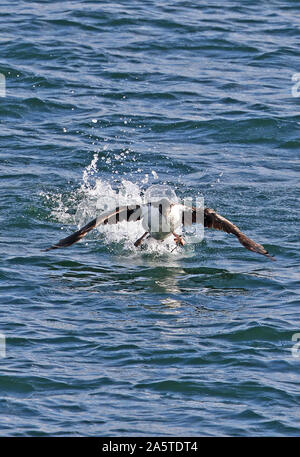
x: 96, y: 195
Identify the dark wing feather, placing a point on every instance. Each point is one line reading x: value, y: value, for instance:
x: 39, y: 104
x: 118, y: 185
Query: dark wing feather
x: 211, y: 219
x: 119, y: 214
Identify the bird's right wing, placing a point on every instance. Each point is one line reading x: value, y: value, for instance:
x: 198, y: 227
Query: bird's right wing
x: 119, y: 214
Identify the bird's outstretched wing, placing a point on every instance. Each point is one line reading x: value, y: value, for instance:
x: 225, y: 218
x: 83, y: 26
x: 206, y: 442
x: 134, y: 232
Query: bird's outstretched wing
x: 210, y: 219
x: 119, y: 214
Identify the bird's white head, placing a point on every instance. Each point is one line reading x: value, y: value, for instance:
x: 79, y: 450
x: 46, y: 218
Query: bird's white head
x: 159, y: 192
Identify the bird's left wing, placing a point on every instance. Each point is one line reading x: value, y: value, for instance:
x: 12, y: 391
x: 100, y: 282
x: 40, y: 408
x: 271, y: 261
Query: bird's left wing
x: 119, y: 214
x: 210, y: 219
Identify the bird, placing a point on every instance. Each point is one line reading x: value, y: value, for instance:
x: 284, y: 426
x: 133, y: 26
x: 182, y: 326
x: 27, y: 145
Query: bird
x: 160, y: 219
